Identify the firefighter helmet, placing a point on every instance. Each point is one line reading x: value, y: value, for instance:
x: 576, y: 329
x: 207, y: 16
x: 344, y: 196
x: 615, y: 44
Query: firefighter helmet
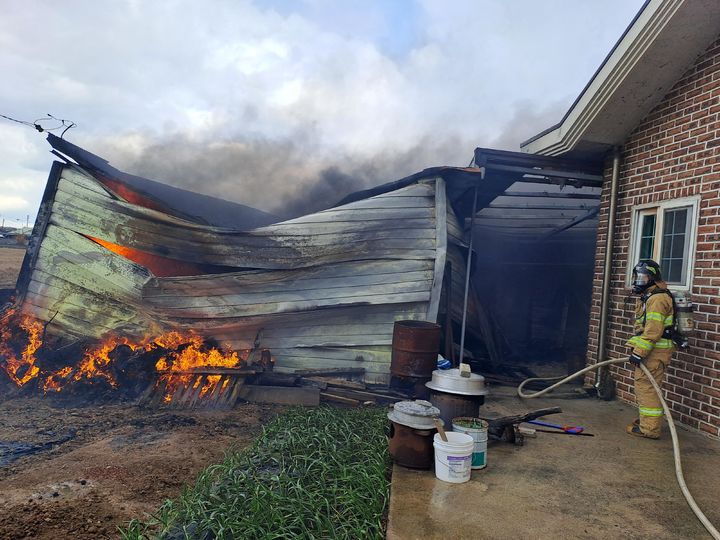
x: 645, y: 274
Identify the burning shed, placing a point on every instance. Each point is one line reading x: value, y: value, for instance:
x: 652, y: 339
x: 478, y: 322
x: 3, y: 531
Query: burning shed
x: 116, y: 255
x: 121, y: 259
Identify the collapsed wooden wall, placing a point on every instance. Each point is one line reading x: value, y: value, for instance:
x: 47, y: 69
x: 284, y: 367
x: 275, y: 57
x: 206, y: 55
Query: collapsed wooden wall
x: 321, y: 290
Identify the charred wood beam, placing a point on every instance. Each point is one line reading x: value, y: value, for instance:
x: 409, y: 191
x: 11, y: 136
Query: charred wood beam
x: 552, y: 176
x: 548, y: 195
x: 490, y: 157
x: 524, y: 207
x: 506, y: 217
x: 580, y: 219
x: 552, y: 226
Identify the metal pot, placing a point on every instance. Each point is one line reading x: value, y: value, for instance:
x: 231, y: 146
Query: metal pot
x: 411, y: 433
x: 418, y: 414
x: 450, y: 381
x: 411, y: 447
x: 454, y: 405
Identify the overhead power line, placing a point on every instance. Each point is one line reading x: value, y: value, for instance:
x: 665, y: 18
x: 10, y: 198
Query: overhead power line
x: 63, y: 124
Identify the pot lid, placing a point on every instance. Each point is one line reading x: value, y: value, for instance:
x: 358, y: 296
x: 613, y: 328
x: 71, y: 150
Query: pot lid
x: 450, y: 381
x: 418, y: 414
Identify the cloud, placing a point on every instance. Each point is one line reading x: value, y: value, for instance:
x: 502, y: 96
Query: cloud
x: 264, y: 103
x: 11, y: 202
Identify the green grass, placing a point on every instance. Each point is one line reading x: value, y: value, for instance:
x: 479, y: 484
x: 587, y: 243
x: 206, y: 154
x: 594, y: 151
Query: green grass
x: 313, y: 473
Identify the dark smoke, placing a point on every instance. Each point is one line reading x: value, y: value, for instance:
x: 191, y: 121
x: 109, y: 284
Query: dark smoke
x: 294, y: 176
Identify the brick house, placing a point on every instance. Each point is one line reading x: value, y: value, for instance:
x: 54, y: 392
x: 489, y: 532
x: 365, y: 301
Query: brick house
x: 651, y: 112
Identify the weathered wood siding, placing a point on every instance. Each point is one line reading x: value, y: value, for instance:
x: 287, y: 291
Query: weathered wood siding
x: 321, y: 290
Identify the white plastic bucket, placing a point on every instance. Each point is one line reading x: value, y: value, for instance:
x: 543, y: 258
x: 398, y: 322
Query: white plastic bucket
x: 452, y: 458
x: 480, y: 437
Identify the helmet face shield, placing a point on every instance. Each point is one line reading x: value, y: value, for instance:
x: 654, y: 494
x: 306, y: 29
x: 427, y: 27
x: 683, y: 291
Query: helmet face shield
x: 645, y: 274
x: 641, y: 281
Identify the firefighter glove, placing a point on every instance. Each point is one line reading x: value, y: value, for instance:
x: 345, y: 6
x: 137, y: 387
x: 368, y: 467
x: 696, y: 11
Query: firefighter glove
x: 635, y: 359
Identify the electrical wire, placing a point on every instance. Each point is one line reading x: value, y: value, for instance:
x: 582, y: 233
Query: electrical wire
x: 671, y: 423
x: 66, y: 124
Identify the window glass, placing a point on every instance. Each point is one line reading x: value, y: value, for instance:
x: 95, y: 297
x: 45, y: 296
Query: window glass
x: 674, y: 257
x: 647, y: 236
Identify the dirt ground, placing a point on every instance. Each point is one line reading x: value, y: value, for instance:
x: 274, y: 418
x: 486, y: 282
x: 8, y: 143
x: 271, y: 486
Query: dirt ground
x: 610, y: 486
x: 120, y: 462
x: 96, y: 467
x: 10, y: 262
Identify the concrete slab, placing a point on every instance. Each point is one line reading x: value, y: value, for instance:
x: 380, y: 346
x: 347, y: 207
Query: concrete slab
x: 611, y: 486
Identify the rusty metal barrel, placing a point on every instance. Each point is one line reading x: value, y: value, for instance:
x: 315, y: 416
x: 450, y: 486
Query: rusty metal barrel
x: 415, y: 347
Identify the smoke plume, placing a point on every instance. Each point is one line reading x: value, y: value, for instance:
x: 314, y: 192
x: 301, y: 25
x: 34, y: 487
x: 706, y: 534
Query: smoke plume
x: 295, y: 176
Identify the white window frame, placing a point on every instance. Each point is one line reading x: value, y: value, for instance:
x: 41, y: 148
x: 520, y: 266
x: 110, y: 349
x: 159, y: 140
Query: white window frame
x: 641, y: 209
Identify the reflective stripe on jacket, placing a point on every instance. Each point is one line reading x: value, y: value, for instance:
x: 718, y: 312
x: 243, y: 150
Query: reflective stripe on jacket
x: 652, y: 317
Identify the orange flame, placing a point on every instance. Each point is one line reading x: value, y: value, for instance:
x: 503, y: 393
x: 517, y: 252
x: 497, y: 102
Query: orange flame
x: 56, y: 381
x: 96, y: 361
x: 190, y: 354
x: 22, y: 370
x: 186, y: 351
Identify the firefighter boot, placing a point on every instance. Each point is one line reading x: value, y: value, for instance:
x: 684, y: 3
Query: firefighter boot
x: 632, y: 424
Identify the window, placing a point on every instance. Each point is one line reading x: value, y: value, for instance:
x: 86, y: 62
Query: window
x: 666, y: 233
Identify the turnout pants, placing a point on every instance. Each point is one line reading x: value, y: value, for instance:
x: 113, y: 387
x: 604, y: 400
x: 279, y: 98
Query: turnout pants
x: 648, y: 402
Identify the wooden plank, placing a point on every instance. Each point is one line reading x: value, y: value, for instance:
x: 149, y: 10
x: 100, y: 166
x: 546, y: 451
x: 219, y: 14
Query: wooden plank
x: 339, y: 399
x: 235, y: 393
x: 341, y: 383
x: 249, y: 299
x: 195, y: 394
x: 78, y: 179
x: 362, y: 395
x: 329, y: 371
x: 278, y: 256
x: 421, y: 294
x: 225, y: 397
x: 179, y: 394
x: 281, y: 395
x: 272, y: 378
x: 210, y: 399
x: 330, y: 322
x: 239, y: 372
x: 332, y: 228
x: 158, y: 392
x: 281, y: 281
x: 147, y: 395
x: 136, y: 224
x: 440, y: 251
x: 190, y: 391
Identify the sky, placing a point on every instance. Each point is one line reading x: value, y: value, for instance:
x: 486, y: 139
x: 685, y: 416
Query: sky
x: 288, y: 105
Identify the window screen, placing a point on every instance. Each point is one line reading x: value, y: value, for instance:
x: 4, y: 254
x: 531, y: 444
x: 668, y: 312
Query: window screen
x: 674, y: 257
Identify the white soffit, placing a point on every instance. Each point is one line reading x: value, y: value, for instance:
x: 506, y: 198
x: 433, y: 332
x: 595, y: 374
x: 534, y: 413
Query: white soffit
x: 662, y: 43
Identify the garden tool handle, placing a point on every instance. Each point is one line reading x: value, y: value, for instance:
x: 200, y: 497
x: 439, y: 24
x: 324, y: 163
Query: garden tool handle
x: 566, y: 429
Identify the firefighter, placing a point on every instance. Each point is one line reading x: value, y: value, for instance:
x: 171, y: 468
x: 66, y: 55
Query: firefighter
x: 651, y: 345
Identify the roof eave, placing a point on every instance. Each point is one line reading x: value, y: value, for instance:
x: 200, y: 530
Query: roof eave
x: 634, y: 77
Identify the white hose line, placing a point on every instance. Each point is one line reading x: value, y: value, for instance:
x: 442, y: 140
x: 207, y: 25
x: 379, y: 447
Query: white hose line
x: 673, y: 433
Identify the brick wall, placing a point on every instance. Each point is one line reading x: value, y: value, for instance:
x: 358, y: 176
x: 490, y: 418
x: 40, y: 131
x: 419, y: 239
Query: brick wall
x: 673, y: 153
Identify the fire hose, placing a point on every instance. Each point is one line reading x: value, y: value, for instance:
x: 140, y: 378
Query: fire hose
x: 673, y: 433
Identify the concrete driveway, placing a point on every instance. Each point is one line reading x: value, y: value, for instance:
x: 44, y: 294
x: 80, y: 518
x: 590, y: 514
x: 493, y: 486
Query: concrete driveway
x: 605, y: 487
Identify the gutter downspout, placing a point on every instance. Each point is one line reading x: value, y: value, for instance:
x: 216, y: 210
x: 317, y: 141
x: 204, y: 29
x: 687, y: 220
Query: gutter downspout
x: 603, y: 379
